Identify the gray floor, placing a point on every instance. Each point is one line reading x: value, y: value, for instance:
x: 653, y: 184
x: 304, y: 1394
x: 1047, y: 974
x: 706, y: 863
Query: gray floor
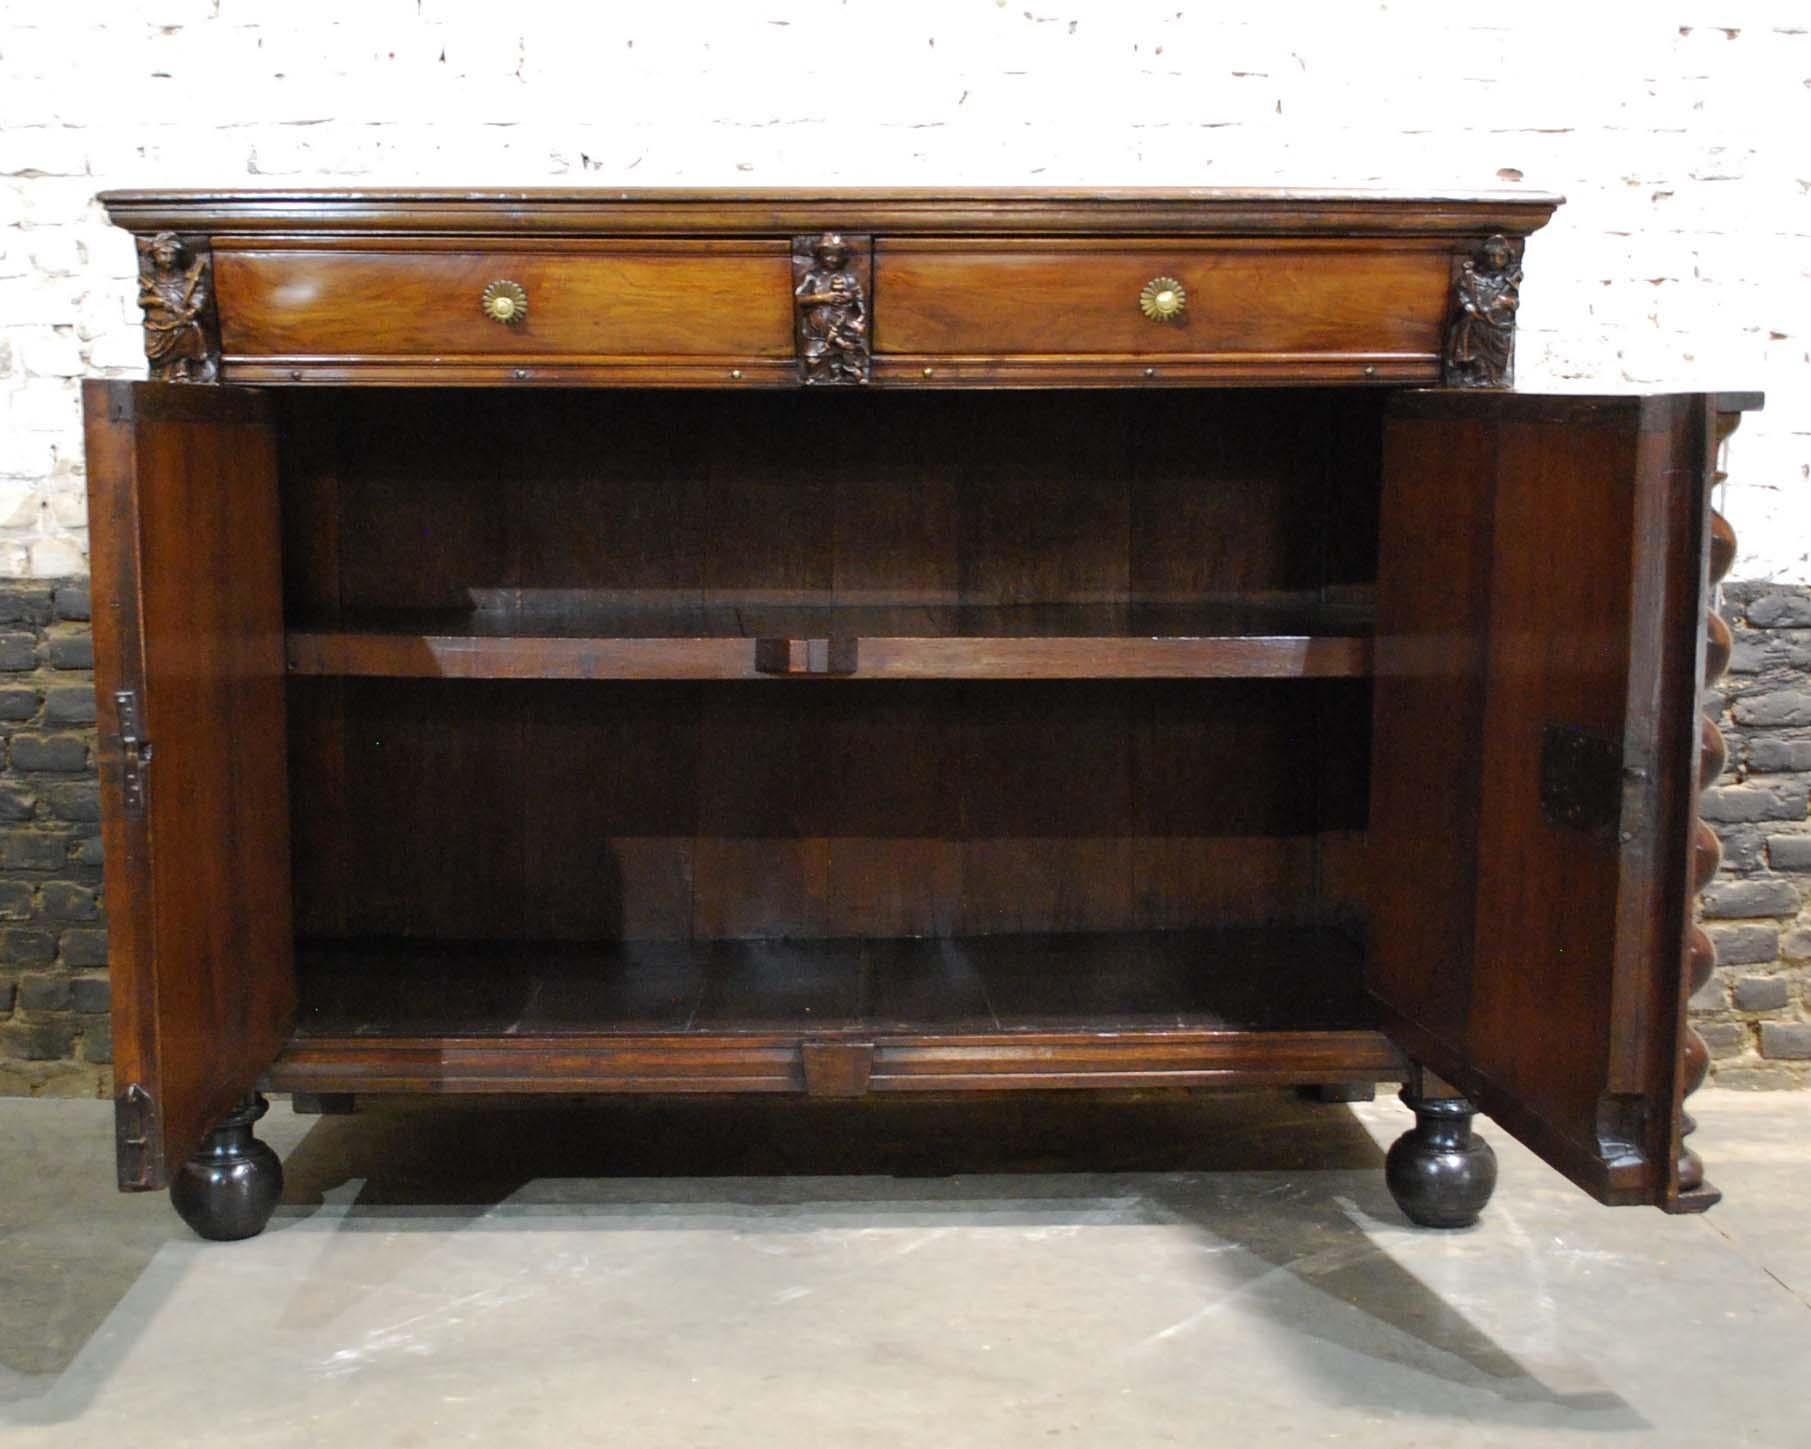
x: 1124, y: 1275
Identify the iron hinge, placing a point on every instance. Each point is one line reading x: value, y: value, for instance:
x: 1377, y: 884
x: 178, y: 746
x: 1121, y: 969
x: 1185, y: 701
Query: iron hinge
x: 136, y: 1138
x: 1622, y: 1125
x: 1581, y: 779
x: 135, y: 752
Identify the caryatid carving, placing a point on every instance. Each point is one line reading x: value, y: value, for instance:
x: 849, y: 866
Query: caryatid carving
x: 1480, y: 339
x: 176, y: 292
x: 831, y: 302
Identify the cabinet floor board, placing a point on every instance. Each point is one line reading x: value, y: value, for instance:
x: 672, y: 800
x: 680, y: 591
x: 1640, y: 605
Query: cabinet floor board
x: 1234, y: 979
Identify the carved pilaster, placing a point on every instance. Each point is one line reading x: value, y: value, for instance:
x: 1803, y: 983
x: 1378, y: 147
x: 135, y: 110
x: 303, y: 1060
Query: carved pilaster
x: 1480, y: 330
x: 1700, y: 957
x: 176, y: 293
x: 832, y: 282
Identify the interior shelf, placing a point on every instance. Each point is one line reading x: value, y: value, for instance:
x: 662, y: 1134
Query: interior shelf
x: 1220, y: 1007
x: 1265, y: 978
x: 1179, y: 640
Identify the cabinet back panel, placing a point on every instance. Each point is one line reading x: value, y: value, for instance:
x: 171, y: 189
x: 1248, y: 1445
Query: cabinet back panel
x: 424, y: 500
x: 480, y: 810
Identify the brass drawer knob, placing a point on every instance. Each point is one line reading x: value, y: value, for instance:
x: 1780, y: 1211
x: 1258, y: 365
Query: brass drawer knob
x: 505, y: 302
x: 1162, y: 299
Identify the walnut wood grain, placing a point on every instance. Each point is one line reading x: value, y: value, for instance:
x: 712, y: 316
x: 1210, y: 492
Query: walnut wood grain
x: 1549, y: 984
x: 675, y: 811
x: 670, y: 302
x: 927, y: 642
x: 182, y: 487
x: 664, y: 289
x: 961, y: 212
x: 1026, y: 300
x: 1075, y: 1061
x: 1244, y: 978
x: 450, y: 656
x: 1095, y: 772
x: 1203, y: 1008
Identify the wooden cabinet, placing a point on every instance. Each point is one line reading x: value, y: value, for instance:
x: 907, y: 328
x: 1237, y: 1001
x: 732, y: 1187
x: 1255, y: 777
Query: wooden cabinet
x: 839, y: 643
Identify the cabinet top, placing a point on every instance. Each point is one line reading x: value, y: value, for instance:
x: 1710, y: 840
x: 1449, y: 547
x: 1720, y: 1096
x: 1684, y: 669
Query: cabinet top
x: 1206, y: 211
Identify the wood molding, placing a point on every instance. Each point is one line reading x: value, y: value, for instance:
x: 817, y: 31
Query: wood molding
x: 1201, y: 211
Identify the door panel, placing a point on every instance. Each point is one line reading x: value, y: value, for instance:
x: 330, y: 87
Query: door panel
x: 189, y: 672
x: 1537, y: 660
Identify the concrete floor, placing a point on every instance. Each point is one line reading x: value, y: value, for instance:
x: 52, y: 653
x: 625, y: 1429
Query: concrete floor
x: 1123, y: 1276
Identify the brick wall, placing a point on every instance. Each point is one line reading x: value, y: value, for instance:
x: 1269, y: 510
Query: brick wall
x: 53, y: 935
x: 1681, y: 259
x: 1756, y: 1014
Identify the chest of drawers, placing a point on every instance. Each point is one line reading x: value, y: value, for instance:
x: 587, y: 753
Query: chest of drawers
x: 840, y: 643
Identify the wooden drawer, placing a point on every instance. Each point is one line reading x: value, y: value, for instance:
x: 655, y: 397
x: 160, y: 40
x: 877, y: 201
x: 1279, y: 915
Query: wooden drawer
x: 701, y: 306
x: 1256, y: 307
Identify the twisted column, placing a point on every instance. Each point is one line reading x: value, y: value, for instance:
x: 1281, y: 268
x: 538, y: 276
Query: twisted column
x: 1700, y: 954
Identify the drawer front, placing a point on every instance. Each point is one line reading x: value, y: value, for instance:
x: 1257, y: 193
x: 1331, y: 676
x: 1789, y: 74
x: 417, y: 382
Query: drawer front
x: 676, y: 299
x: 1259, y: 300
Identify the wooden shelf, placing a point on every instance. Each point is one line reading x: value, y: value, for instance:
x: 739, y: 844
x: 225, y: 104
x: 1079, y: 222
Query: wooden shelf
x: 1196, y: 640
x: 1227, y: 979
x: 1248, y: 1004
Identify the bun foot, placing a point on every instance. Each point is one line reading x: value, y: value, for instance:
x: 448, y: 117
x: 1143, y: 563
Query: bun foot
x: 230, y: 1187
x: 1440, y: 1172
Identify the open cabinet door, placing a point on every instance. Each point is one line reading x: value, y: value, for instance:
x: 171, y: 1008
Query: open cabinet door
x: 1540, y: 637
x: 188, y: 637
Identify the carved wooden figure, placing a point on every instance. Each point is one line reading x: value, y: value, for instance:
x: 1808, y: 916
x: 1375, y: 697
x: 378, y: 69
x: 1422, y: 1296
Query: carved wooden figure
x: 842, y: 643
x: 1487, y: 291
x: 176, y: 295
x: 833, y: 313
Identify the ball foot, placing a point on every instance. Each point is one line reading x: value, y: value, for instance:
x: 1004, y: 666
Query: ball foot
x: 230, y: 1187
x: 1440, y: 1172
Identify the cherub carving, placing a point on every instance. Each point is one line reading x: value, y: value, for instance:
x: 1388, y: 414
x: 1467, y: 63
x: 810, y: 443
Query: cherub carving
x: 176, y: 295
x: 832, y: 316
x: 1480, y: 347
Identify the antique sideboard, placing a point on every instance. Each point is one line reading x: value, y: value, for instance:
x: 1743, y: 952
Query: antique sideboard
x: 835, y: 643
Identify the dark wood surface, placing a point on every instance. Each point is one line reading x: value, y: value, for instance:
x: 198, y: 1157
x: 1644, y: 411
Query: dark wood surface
x: 1038, y: 298
x: 839, y: 1017
x: 688, y: 289
x: 662, y: 298
x: 724, y: 641
x: 877, y: 811
x: 1114, y: 768
x: 1541, y: 973
x: 966, y: 1062
x: 1231, y: 979
x: 396, y: 654
x: 954, y: 211
x: 1224, y: 619
x: 1702, y: 759
x: 1429, y: 665
x: 184, y: 520
x: 679, y: 811
x: 555, y: 502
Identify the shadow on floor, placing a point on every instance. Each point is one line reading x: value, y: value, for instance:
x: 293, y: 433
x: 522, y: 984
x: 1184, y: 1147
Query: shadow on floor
x: 1293, y: 1188
x: 886, y: 1162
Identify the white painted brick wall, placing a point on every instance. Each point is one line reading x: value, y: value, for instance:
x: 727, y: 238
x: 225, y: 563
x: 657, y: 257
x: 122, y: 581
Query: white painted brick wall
x: 1679, y: 133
